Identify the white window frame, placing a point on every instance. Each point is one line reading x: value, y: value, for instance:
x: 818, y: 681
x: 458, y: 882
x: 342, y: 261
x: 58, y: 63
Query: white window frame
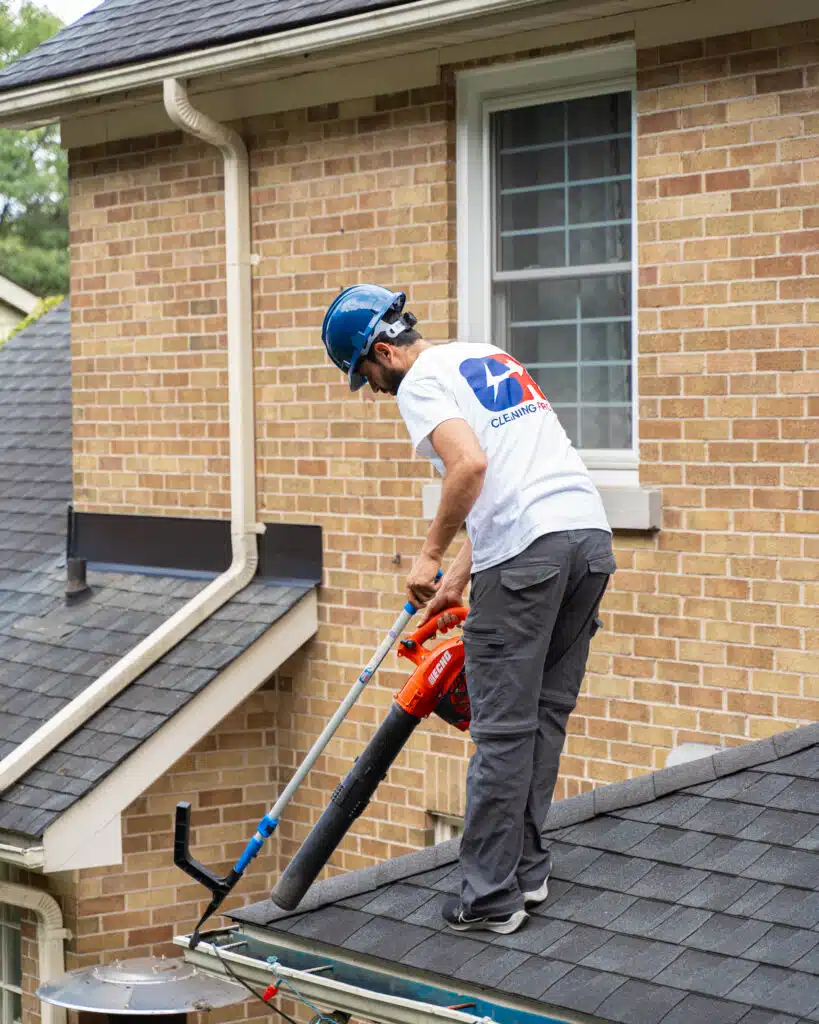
x: 9, y: 921
x: 480, y: 93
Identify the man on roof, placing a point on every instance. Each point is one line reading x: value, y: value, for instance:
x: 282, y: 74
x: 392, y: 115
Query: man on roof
x: 539, y: 557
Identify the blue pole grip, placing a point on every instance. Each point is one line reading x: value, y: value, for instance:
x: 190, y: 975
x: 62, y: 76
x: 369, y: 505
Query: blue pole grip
x: 267, y: 826
x: 409, y: 607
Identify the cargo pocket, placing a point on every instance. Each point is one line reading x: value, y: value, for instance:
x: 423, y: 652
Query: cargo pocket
x: 604, y: 564
x: 531, y: 574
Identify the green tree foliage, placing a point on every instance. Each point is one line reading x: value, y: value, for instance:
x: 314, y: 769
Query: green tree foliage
x: 33, y: 174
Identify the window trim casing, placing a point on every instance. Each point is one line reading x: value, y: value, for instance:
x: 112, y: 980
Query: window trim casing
x: 483, y: 91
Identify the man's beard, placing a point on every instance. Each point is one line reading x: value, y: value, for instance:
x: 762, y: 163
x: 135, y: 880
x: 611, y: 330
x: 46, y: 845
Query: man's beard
x: 393, y: 379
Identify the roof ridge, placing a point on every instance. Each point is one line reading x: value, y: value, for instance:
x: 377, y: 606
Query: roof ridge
x: 572, y: 811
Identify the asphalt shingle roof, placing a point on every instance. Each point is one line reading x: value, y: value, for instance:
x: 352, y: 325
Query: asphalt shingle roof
x: 699, y: 904
x: 121, y: 32
x: 51, y: 651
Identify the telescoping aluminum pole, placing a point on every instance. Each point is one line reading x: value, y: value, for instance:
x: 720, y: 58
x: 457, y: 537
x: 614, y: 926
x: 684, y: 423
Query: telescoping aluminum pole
x: 220, y: 887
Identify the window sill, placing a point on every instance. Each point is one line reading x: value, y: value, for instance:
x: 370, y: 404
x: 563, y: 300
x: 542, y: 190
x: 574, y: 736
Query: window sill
x: 628, y: 505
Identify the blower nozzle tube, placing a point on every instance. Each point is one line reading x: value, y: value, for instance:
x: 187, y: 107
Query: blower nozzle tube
x: 347, y: 803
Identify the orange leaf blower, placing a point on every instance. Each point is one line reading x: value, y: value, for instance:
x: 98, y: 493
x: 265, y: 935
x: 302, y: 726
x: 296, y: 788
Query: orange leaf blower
x: 437, y: 686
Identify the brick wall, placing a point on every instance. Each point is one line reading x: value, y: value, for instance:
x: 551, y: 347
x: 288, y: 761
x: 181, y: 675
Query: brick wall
x: 136, y: 908
x: 710, y: 623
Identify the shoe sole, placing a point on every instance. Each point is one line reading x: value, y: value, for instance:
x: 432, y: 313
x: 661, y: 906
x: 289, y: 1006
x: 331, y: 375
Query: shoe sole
x: 500, y: 927
x: 534, y: 899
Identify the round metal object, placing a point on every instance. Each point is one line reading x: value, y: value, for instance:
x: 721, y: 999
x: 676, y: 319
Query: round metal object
x: 145, y: 985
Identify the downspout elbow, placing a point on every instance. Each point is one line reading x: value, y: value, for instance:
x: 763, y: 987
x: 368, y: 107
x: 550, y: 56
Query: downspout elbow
x: 51, y: 936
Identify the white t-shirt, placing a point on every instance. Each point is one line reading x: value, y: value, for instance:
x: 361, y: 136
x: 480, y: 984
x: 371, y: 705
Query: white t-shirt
x: 535, y: 481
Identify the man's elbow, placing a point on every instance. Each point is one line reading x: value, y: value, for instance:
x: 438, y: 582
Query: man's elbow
x: 474, y: 468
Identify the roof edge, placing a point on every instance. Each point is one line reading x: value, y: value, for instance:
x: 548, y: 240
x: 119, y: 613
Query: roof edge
x: 572, y: 811
x: 36, y: 103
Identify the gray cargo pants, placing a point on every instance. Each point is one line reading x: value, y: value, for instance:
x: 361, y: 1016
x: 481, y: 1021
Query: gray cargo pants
x: 526, y: 639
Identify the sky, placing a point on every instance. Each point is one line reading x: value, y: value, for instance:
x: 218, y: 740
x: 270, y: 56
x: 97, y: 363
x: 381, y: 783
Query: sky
x: 70, y: 10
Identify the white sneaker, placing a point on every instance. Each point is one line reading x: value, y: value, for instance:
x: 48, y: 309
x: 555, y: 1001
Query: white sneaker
x: 531, y: 899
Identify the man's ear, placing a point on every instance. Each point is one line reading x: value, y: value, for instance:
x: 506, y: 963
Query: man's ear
x: 383, y: 349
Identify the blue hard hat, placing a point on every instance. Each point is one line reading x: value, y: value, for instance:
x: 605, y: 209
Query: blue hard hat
x: 354, y: 320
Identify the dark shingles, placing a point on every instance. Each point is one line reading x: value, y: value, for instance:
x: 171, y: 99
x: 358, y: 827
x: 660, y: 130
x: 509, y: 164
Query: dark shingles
x: 799, y: 795
x: 775, y: 988
x: 728, y: 935
x: 680, y: 924
x: 716, y: 892
x: 613, y: 871
x: 582, y: 990
x: 724, y: 817
x: 330, y: 924
x: 783, y: 946
x: 766, y: 1017
x: 639, y: 1002
x: 728, y: 856
x: 791, y: 906
x: 443, y: 953
x: 667, y: 882
x: 790, y: 867
x: 569, y: 861
x: 612, y: 834
x: 576, y: 944
x: 632, y: 956
x: 386, y: 938
x: 533, y: 977
x: 398, y: 901
x: 673, y: 845
x: 430, y: 914
x: 491, y: 966
x: 538, y: 934
x: 705, y: 1010
x: 706, y: 973
x: 779, y: 826
x: 804, y: 764
x: 604, y: 908
x: 642, y: 917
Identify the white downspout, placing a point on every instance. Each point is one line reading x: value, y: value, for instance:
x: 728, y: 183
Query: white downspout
x: 243, y: 527
x: 50, y: 937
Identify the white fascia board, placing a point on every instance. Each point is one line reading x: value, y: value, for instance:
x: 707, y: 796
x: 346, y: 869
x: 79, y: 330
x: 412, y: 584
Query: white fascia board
x: 70, y: 843
x: 13, y: 295
x: 359, y: 30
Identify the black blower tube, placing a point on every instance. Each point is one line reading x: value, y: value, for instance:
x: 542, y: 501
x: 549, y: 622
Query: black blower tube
x: 348, y: 801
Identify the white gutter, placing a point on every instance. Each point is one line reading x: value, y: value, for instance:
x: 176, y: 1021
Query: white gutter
x: 360, y: 29
x: 243, y: 528
x: 50, y: 937
x: 31, y: 857
x: 362, y: 1003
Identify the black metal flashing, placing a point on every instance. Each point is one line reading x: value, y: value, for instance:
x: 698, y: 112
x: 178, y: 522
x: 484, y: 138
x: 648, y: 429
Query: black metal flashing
x: 287, y: 551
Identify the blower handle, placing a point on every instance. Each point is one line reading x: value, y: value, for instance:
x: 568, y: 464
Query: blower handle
x: 429, y: 629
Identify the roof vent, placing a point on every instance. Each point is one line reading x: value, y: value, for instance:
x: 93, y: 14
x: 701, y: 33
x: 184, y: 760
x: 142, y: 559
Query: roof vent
x: 686, y: 752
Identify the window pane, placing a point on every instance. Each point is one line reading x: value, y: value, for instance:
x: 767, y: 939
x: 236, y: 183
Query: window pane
x: 16, y: 1007
x: 605, y: 383
x: 563, y: 197
x: 558, y: 383
x: 532, y: 167
x: 599, y: 245
x: 602, y: 201
x: 598, y: 115
x: 605, y: 427
x: 605, y: 342
x: 15, y: 975
x: 523, y: 252
x: 599, y: 159
x: 544, y: 344
x: 531, y: 126
x: 531, y: 303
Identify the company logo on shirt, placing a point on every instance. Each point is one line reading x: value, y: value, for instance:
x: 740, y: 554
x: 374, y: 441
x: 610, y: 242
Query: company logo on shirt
x: 500, y: 384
